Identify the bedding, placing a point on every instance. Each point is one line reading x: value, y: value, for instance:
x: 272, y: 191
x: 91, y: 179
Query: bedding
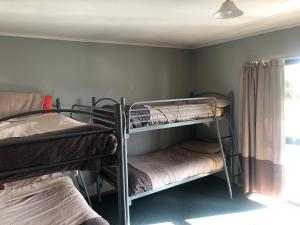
x: 46, y: 201
x: 157, y: 169
x: 163, y: 114
x: 46, y: 152
x: 170, y: 165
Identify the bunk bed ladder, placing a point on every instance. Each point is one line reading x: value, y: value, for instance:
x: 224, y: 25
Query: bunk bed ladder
x: 224, y: 158
x: 234, y: 155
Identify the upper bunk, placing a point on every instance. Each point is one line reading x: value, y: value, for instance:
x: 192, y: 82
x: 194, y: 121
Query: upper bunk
x: 160, y: 114
x: 39, y: 141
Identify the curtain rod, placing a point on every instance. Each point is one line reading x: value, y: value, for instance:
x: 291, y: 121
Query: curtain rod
x: 291, y: 58
x: 286, y: 59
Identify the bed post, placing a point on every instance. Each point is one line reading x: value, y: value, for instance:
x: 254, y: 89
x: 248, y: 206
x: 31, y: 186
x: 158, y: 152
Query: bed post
x: 93, y: 105
x: 124, y: 218
x: 58, y: 104
x: 222, y: 151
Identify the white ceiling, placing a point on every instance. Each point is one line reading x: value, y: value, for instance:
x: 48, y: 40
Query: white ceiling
x: 167, y: 23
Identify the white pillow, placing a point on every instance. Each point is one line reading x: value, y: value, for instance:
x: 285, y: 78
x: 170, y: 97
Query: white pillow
x: 221, y: 102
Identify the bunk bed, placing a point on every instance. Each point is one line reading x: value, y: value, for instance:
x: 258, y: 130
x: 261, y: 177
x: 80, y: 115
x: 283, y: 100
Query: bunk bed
x: 163, y: 169
x: 35, y: 146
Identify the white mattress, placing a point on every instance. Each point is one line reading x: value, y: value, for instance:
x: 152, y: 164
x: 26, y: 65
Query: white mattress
x: 45, y: 202
x: 174, y: 164
x: 184, y: 112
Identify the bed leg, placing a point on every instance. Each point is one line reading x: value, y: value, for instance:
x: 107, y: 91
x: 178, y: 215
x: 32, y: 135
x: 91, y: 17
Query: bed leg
x: 84, y: 188
x: 99, y: 186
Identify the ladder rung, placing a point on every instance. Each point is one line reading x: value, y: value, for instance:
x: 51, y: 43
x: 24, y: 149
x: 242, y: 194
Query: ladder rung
x: 237, y: 175
x: 233, y: 155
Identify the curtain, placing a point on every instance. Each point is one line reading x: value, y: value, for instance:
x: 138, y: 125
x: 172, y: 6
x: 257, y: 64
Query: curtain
x: 261, y: 126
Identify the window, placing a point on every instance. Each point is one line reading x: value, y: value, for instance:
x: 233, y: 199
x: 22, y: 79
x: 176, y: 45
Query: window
x: 292, y: 130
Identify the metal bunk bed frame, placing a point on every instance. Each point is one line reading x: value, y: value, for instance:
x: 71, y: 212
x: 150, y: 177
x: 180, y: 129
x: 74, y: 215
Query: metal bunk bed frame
x: 116, y: 126
x: 127, y: 130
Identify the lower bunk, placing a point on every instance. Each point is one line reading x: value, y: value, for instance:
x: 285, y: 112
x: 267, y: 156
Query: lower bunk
x: 162, y: 169
x: 48, y: 200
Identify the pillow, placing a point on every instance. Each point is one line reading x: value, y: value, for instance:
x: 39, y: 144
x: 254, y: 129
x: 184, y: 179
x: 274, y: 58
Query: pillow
x: 222, y: 102
x: 12, y: 102
x: 201, y: 147
x: 47, y: 104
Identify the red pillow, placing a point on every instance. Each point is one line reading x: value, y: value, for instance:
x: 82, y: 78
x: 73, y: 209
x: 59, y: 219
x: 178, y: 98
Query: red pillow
x: 47, y: 102
x: 1, y: 186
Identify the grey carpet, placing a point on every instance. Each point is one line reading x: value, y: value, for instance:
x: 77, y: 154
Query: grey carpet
x: 198, y: 199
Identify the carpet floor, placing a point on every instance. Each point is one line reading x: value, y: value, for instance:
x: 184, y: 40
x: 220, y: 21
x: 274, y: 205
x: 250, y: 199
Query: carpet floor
x: 197, y: 202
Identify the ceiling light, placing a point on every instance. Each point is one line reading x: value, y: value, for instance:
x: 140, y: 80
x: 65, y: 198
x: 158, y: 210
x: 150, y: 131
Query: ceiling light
x: 228, y: 10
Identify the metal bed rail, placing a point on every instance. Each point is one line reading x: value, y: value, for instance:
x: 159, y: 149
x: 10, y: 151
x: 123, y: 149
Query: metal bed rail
x: 113, y: 123
x: 173, y: 184
x: 128, y: 114
x: 45, y: 138
x: 122, y: 173
x: 161, y: 114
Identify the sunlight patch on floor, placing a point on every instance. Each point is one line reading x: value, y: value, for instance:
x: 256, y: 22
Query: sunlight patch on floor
x: 273, y: 215
x: 266, y: 200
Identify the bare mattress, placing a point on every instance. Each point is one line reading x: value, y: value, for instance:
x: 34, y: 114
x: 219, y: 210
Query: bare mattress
x: 154, y: 170
x: 46, y: 201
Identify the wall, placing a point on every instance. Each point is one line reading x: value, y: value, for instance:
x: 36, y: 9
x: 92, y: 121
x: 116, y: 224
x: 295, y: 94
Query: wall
x: 218, y: 68
x: 77, y: 71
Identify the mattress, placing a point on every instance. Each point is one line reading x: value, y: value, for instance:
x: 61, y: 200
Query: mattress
x: 50, y: 201
x: 144, y: 115
x: 51, y: 151
x: 156, y: 169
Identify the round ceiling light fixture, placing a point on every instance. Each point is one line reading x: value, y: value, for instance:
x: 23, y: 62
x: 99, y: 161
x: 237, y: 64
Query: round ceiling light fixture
x: 228, y: 10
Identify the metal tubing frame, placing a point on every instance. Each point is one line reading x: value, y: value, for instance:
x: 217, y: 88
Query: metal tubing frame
x: 174, y: 184
x: 168, y: 125
x: 82, y: 185
x: 122, y: 171
x: 224, y: 158
x: 124, y: 131
x: 163, y: 126
x: 13, y: 142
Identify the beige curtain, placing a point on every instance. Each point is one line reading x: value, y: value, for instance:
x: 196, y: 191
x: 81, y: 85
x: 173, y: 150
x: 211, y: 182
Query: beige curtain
x: 261, y: 126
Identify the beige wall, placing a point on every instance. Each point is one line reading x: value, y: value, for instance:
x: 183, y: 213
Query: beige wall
x: 218, y: 68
